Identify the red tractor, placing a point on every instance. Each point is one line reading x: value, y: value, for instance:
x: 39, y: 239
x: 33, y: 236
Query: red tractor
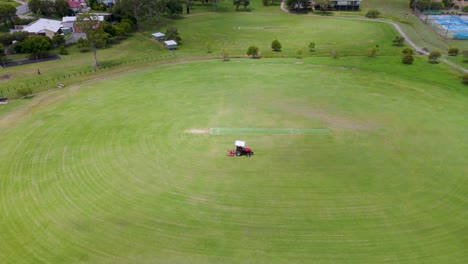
x: 241, y: 150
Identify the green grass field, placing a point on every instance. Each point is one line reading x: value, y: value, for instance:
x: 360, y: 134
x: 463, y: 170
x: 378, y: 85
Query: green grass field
x: 357, y: 159
x: 106, y: 171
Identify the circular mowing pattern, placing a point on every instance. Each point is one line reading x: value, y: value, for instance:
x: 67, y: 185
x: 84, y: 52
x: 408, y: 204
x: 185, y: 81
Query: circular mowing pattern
x: 110, y: 176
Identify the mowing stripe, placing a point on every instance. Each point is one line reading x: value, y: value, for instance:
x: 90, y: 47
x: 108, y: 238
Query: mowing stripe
x: 269, y: 131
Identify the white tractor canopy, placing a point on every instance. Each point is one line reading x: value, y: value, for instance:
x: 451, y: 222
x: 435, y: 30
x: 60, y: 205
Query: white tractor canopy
x: 240, y: 143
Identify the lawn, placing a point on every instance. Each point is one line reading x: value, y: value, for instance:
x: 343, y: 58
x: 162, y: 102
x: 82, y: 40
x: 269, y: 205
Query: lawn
x: 9, y: 2
x: 237, y: 32
x: 105, y: 172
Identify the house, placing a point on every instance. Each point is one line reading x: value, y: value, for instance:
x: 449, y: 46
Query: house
x: 109, y: 3
x: 170, y: 44
x: 68, y: 23
x: 47, y: 27
x: 343, y: 5
x: 158, y: 36
x: 79, y: 6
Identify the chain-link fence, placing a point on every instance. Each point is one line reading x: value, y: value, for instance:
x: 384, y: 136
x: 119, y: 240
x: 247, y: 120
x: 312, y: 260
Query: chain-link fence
x: 448, y: 26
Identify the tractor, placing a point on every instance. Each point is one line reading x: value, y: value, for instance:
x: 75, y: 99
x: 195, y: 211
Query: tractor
x: 241, y: 150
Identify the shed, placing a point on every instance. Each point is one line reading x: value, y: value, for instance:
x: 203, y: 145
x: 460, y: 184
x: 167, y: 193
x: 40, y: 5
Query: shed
x: 158, y: 36
x: 170, y: 44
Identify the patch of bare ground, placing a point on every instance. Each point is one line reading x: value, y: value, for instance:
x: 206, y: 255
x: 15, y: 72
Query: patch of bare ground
x: 197, y: 131
x: 5, y: 77
x: 36, y: 103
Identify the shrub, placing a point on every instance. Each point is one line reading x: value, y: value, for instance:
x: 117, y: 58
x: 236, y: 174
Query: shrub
x: 173, y: 33
x: 407, y: 59
x: 456, y: 7
x: 209, y: 47
x: 434, y: 56
x: 453, y: 51
x: 372, y: 13
x: 465, y: 9
x: 465, y: 79
x: 398, y: 41
x: 407, y: 51
x: 311, y: 46
x: 225, y: 54
x: 372, y: 52
x: 334, y: 54
x: 63, y: 50
x: 265, y: 2
x: 253, y: 51
x: 25, y: 91
x: 299, y: 53
x: 276, y: 45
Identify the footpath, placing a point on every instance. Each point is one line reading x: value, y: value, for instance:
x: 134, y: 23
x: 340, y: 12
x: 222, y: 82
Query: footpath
x: 418, y: 49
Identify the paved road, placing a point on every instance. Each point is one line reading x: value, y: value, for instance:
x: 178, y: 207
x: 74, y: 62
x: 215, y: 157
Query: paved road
x: 397, y: 27
x: 22, y: 9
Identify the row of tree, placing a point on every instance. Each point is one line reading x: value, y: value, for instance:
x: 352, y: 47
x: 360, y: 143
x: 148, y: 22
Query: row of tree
x: 49, y: 8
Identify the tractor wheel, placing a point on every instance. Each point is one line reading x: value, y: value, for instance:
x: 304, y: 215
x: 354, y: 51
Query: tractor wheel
x: 238, y: 153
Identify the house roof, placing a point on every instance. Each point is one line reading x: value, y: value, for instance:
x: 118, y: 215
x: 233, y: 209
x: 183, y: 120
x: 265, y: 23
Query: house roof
x: 43, y: 24
x: 73, y: 4
x: 69, y: 19
x: 170, y: 42
x: 158, y: 34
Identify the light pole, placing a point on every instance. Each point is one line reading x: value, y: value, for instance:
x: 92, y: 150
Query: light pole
x: 448, y: 27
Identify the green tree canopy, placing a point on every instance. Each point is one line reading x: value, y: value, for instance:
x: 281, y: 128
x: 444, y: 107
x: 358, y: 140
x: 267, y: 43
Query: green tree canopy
x: 173, y: 33
x: 35, y: 45
x: 434, y: 56
x: 7, y: 14
x: 96, y: 37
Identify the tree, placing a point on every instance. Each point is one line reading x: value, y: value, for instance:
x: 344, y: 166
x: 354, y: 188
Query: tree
x: 225, y: 54
x: 465, y: 56
x: 7, y: 14
x: 2, y: 54
x: 373, y: 13
x: 407, y: 59
x: 238, y: 3
x: 253, y: 51
x: 35, y: 45
x: 398, y: 41
x: 138, y: 8
x: 296, y: 4
x: 108, y: 28
x: 407, y: 51
x: 276, y: 45
x: 324, y: 4
x: 174, y: 7
x: 173, y: 33
x: 453, y: 51
x: 465, y: 79
x: 58, y: 40
x: 434, y: 56
x: 89, y: 24
x: 311, y: 46
x: 61, y: 7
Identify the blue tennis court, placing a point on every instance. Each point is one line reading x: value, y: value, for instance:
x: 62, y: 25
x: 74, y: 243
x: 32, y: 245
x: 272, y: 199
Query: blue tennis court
x: 455, y: 25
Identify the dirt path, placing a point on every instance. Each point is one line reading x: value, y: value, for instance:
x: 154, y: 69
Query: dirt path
x: 400, y: 31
